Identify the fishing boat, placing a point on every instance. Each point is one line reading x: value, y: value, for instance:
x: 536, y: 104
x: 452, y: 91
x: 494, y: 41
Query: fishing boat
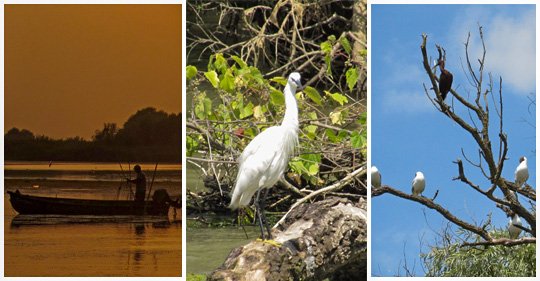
x: 37, y: 205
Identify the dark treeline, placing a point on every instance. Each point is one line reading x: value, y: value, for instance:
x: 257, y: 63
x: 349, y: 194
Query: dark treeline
x: 147, y: 136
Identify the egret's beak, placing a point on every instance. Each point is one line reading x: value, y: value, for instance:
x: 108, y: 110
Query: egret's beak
x: 299, y: 85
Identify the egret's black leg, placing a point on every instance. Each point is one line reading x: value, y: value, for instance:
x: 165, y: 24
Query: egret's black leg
x: 259, y: 213
x: 263, y: 205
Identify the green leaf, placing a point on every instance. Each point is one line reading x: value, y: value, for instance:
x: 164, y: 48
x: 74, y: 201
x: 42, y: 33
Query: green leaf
x: 311, y: 131
x: 313, y: 169
x: 331, y: 135
x: 311, y: 163
x: 192, y: 145
x: 276, y: 97
x: 240, y: 62
x: 339, y: 98
x: 297, y: 166
x: 364, y: 53
x: 246, y: 111
x: 207, y: 106
x: 212, y: 78
x: 227, y: 82
x: 191, y: 71
x: 203, y: 107
x: 313, y: 94
x: 363, y: 119
x: 358, y: 140
x: 326, y: 47
x: 352, y: 77
x: 220, y: 63
x: 346, y: 44
x: 280, y: 80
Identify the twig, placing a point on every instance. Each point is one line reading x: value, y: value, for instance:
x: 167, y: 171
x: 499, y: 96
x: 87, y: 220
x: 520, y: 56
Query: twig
x: 334, y: 187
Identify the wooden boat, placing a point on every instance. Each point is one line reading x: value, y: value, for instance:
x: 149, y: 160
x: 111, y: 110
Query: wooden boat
x: 33, y: 205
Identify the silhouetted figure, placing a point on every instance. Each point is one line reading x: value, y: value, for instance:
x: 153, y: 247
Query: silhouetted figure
x: 140, y: 184
x: 445, y: 80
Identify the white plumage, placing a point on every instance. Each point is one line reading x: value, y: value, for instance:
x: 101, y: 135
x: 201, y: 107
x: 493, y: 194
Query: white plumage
x: 522, y: 172
x: 513, y: 230
x: 375, y: 177
x: 418, y: 184
x: 266, y: 157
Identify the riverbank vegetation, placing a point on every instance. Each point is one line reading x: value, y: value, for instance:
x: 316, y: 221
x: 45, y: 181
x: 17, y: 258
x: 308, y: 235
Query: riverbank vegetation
x: 239, y: 55
x: 148, y: 135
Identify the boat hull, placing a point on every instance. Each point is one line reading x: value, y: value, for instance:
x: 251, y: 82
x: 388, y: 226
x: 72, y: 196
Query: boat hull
x: 36, y: 205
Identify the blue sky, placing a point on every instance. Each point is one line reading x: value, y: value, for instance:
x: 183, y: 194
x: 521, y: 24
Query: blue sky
x: 408, y: 134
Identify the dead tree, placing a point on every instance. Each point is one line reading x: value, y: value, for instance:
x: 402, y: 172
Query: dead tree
x: 285, y: 36
x: 324, y: 239
x: 491, y: 159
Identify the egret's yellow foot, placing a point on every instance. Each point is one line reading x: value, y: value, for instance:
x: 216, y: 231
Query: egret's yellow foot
x: 271, y: 242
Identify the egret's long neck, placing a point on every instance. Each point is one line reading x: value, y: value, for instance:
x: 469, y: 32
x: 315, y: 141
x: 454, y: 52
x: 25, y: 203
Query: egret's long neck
x: 291, y: 109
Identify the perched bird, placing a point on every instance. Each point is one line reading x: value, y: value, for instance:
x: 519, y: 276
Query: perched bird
x: 375, y: 177
x: 513, y: 230
x: 418, y: 184
x: 266, y: 157
x: 445, y: 80
x: 522, y: 172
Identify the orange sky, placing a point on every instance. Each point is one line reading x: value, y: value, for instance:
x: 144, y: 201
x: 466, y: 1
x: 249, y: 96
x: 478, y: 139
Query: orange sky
x: 71, y: 68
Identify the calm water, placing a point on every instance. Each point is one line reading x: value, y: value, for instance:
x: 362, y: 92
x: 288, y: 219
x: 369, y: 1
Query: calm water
x: 209, y: 246
x: 89, y: 245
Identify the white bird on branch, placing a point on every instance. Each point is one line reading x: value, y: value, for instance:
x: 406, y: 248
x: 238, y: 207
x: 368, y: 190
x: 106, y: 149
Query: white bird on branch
x: 522, y: 172
x: 375, y: 177
x: 418, y: 184
x: 266, y: 157
x: 512, y: 228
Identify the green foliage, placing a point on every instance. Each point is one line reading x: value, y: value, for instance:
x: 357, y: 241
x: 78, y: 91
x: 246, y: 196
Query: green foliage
x: 456, y: 261
x: 326, y: 47
x: 314, y: 95
x: 191, y: 71
x: 352, y: 72
x: 352, y: 77
x: 246, y: 102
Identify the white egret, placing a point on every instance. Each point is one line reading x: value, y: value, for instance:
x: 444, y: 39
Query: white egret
x: 522, y: 172
x: 418, y: 184
x: 266, y: 157
x: 512, y: 228
x: 375, y: 177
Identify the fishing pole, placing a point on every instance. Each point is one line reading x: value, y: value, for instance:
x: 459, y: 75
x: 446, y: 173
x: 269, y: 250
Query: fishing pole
x: 152, y: 183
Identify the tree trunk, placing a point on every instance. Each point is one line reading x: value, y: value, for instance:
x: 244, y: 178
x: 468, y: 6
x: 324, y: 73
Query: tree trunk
x: 325, y: 239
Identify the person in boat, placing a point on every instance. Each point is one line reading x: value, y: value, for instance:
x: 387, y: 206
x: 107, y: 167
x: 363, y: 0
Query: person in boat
x: 140, y: 184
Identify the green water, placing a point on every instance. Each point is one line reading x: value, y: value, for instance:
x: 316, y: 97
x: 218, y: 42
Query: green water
x: 208, y: 247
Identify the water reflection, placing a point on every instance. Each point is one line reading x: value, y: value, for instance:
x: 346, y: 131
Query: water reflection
x: 88, y: 245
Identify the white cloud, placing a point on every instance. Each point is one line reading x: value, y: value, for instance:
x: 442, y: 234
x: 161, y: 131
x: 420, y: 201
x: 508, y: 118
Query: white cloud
x: 510, y: 44
x: 396, y: 98
x: 406, y: 101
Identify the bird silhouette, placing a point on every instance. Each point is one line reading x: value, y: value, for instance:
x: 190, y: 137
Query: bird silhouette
x: 266, y: 157
x: 375, y: 177
x: 445, y: 79
x: 418, y: 184
x: 522, y: 172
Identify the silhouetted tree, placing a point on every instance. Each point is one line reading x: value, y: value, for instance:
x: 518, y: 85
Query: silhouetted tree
x: 15, y: 134
x: 107, y: 134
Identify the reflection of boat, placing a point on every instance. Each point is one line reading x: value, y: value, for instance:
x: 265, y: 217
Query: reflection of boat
x: 28, y: 204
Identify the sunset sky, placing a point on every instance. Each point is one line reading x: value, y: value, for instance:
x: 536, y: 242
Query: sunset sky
x: 71, y: 68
